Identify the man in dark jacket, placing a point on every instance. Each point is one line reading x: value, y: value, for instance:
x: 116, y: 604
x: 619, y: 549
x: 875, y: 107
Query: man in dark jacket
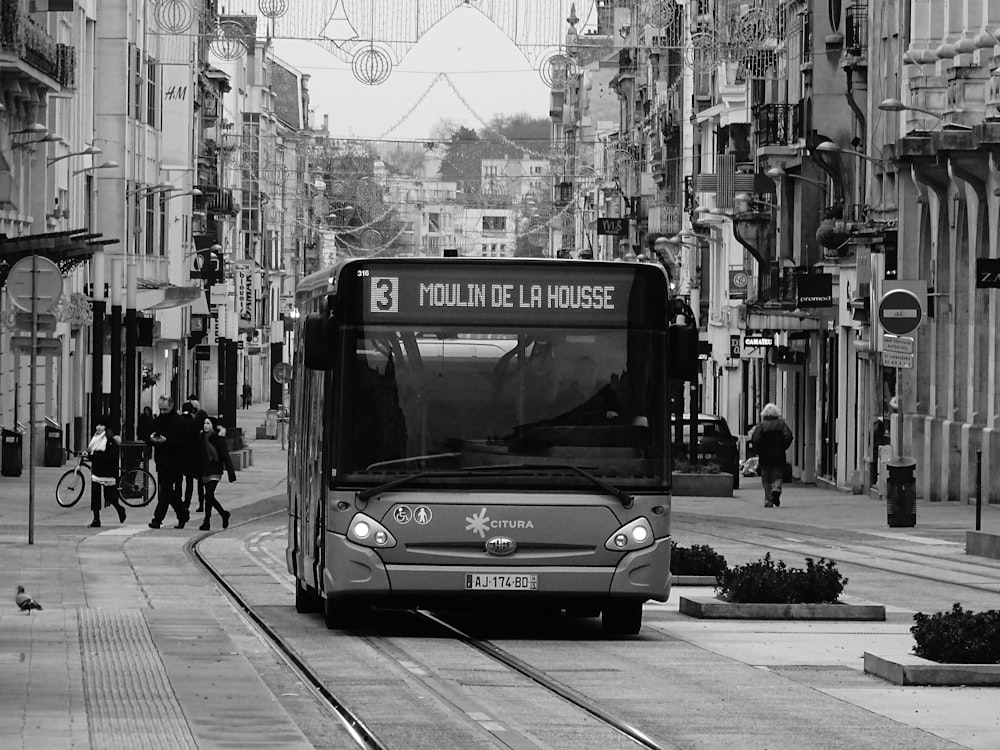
x: 168, y: 441
x: 770, y: 438
x: 191, y: 420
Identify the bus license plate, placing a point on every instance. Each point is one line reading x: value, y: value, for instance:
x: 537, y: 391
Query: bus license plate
x: 501, y: 581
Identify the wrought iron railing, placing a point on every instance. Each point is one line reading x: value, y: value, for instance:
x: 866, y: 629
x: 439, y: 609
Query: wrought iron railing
x: 777, y: 124
x: 856, y: 38
x: 35, y: 46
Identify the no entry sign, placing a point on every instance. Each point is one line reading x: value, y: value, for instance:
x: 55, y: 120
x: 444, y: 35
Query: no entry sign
x: 900, y: 311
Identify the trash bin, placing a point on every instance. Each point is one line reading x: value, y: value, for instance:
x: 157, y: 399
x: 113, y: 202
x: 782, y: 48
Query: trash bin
x: 54, y: 454
x: 134, y: 454
x: 901, y: 492
x: 10, y: 453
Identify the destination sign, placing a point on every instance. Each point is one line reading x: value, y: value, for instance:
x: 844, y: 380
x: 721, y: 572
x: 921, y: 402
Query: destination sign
x: 485, y: 293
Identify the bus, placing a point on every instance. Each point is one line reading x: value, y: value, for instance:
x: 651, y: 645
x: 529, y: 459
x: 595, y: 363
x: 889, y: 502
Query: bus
x: 482, y: 432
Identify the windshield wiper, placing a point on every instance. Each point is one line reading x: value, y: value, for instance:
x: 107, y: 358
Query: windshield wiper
x: 626, y: 499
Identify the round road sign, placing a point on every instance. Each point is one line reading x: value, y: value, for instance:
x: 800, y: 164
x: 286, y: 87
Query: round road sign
x: 47, y: 288
x: 900, y: 312
x: 282, y: 372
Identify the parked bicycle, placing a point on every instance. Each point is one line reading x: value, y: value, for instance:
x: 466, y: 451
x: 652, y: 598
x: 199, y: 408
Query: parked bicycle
x: 136, y: 487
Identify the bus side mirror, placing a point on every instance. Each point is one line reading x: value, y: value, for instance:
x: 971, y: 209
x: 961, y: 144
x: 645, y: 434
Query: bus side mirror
x: 318, y: 341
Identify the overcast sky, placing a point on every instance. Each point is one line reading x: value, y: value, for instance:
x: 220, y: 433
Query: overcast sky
x: 483, y: 63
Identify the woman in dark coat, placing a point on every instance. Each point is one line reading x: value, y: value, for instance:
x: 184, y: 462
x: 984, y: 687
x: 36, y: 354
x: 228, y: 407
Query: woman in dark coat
x: 770, y: 439
x: 104, y: 453
x: 214, y: 458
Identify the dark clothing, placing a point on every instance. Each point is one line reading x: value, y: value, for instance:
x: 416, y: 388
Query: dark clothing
x: 215, y: 458
x: 104, y: 465
x: 770, y: 438
x: 190, y: 425
x: 189, y: 484
x: 169, y: 496
x: 169, y: 456
x: 247, y: 395
x: 145, y: 427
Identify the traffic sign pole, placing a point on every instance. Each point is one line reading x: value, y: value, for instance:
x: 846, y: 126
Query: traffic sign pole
x: 31, y: 399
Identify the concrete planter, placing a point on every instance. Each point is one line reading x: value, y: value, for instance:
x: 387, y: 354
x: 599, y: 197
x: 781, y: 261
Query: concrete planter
x: 913, y: 670
x: 982, y: 544
x: 702, y: 485
x: 693, y: 580
x: 716, y: 609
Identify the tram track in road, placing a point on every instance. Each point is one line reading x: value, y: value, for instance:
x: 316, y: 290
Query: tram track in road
x: 432, y: 671
x: 354, y: 725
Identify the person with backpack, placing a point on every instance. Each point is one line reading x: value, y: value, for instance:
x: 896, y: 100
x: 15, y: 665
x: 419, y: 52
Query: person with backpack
x: 770, y: 438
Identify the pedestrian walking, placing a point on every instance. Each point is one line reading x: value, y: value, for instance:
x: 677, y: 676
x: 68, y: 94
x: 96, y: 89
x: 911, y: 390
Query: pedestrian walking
x: 770, y: 438
x: 167, y: 439
x: 247, y: 395
x: 191, y: 419
x: 104, y: 455
x: 215, y: 458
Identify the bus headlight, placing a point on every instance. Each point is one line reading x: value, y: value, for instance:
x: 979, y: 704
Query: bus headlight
x: 633, y: 535
x: 366, y: 531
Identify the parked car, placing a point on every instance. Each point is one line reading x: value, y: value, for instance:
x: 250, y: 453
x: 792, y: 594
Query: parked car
x: 716, y: 444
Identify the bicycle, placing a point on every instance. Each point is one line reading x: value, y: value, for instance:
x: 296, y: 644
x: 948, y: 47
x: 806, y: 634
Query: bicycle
x: 136, y: 487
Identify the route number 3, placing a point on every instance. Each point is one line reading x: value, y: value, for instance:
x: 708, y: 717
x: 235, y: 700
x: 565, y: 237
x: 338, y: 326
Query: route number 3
x: 385, y: 294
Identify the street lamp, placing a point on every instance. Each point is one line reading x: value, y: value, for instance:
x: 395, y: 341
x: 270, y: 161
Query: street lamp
x: 193, y: 192
x: 150, y: 189
x: 777, y: 173
x: 832, y: 148
x: 88, y: 151
x: 104, y: 165
x: 47, y: 138
x: 895, y: 105
x: 747, y: 198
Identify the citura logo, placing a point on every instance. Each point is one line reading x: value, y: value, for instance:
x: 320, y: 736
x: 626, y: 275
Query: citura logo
x: 478, y: 523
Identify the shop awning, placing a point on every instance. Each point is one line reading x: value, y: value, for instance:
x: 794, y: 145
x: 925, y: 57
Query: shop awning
x: 167, y: 297
x: 782, y: 320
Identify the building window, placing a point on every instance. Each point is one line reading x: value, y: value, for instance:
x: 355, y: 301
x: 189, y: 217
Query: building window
x: 152, y: 97
x: 434, y: 222
x: 150, y: 224
x: 494, y: 223
x: 135, y: 74
x: 163, y: 227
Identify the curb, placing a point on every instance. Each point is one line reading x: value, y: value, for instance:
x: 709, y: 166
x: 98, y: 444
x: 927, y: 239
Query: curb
x: 914, y: 670
x: 711, y: 608
x: 693, y: 580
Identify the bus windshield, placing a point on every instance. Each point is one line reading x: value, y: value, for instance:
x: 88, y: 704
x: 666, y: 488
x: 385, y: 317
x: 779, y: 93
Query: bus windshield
x: 437, y: 398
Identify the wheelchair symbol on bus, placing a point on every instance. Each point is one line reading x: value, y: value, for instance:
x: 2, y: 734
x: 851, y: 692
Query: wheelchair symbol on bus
x: 402, y: 514
x: 422, y: 515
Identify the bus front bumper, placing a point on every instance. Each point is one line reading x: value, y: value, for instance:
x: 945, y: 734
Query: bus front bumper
x: 356, y: 571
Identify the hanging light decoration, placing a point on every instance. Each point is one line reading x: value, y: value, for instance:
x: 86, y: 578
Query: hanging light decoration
x: 174, y: 16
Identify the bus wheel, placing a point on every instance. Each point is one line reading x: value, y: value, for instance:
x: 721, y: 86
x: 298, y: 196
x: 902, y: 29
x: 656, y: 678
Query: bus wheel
x: 340, y: 614
x: 306, y: 600
x: 622, y: 618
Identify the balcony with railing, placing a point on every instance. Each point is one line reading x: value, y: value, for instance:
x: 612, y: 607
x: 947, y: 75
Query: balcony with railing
x: 21, y: 36
x: 215, y: 201
x: 856, y: 38
x: 777, y: 124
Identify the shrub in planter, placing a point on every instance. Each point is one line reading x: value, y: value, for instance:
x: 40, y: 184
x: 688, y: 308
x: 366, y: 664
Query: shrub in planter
x: 768, y: 582
x: 958, y: 636
x: 696, y: 560
x: 683, y: 466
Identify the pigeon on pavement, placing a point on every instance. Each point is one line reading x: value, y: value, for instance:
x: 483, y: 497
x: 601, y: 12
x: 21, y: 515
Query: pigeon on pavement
x: 24, y: 601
